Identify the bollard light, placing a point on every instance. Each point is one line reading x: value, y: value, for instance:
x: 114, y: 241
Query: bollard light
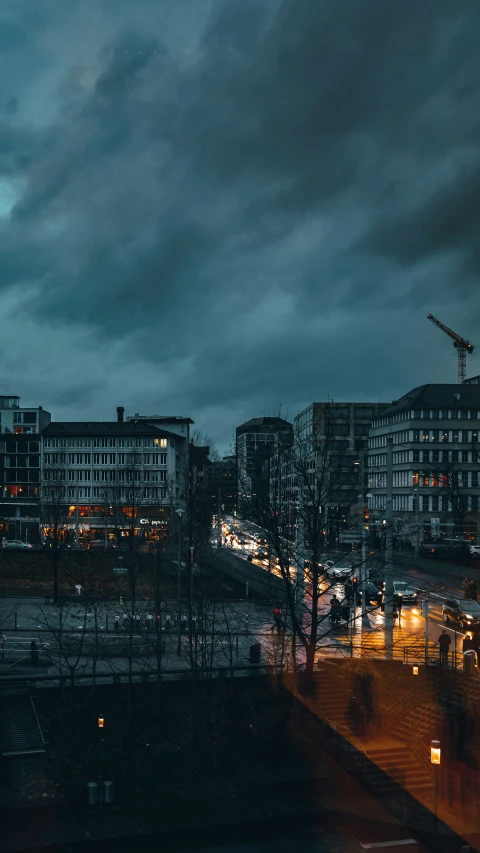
x: 415, y: 670
x: 101, y: 721
x: 435, y: 752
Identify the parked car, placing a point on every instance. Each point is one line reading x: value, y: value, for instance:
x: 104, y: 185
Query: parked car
x: 96, y: 545
x: 407, y: 592
x: 475, y: 550
x: 17, y: 545
x: 340, y: 572
x: 464, y: 613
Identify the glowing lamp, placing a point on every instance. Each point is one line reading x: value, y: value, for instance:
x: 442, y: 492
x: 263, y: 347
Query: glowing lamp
x: 435, y: 752
x: 415, y: 670
x: 101, y: 722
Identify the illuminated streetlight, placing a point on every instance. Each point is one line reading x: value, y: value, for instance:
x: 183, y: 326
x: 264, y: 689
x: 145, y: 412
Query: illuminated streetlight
x: 435, y: 752
x: 101, y: 721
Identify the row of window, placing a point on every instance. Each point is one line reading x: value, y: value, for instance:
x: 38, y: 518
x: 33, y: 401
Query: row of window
x: 415, y: 435
x: 117, y: 476
x: 95, y: 492
x: 427, y: 503
x: 380, y: 459
x: 22, y: 446
x: 107, y: 476
x: 105, y: 459
x: 21, y: 461
x: 427, y: 414
x: 105, y: 442
x: 406, y: 479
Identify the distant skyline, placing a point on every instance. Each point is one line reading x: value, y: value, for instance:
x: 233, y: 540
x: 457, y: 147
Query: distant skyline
x: 213, y: 208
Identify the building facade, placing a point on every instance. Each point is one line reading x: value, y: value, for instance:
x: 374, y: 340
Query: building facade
x: 20, y: 454
x: 221, y: 477
x: 436, y: 464
x: 119, y: 478
x: 337, y: 434
x: 256, y: 441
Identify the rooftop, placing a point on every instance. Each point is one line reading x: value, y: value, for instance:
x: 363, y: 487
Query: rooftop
x: 178, y: 418
x: 99, y: 428
x: 266, y: 421
x: 437, y: 396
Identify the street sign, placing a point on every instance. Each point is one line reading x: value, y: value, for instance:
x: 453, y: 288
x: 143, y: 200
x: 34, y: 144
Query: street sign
x: 120, y: 570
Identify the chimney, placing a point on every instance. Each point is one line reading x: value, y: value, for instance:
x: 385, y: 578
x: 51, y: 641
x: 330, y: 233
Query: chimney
x: 120, y: 411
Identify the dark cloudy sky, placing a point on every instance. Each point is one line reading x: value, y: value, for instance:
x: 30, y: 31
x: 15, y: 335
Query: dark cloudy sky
x: 212, y: 207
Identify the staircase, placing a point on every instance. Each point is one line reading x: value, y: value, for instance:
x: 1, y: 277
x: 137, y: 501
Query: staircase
x: 20, y: 732
x: 403, y: 769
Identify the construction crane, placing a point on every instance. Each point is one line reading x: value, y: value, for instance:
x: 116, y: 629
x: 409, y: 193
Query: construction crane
x: 460, y: 344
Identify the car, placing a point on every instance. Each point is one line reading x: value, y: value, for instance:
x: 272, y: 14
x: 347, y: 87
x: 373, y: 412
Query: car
x: 475, y: 550
x: 16, y: 545
x: 96, y: 545
x: 373, y: 594
x: 339, y: 572
x: 464, y: 613
x: 407, y: 592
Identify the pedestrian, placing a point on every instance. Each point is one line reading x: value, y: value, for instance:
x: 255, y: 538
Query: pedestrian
x: 346, y: 611
x: 149, y: 622
x: 34, y: 653
x: 3, y: 641
x: 116, y: 622
x: 444, y: 643
x: 476, y: 646
x: 348, y: 589
x: 121, y: 601
x: 168, y: 622
x: 397, y: 605
x: 465, y: 587
x: 335, y: 610
x: 125, y: 621
x: 468, y: 644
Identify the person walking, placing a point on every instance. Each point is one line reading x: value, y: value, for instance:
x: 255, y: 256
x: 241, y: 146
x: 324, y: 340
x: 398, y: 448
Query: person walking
x: 348, y: 590
x: 476, y: 646
x: 116, y: 622
x: 335, y: 610
x: 468, y: 644
x: 444, y: 643
x: 346, y: 611
x: 466, y: 588
x: 3, y: 641
x: 34, y: 653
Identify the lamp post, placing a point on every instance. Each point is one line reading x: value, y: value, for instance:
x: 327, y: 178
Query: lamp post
x: 435, y: 757
x: 416, y: 498
x: 365, y: 573
x: 180, y: 512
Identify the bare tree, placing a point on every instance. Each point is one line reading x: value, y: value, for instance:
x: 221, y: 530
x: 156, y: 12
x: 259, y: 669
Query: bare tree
x: 53, y: 513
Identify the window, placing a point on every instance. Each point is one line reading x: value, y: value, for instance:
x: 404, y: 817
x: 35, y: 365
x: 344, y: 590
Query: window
x: 416, y: 435
x: 337, y: 412
x: 96, y: 442
x: 337, y: 429
x: 96, y: 458
x: 147, y: 458
x: 416, y: 456
x: 162, y: 458
x: 163, y: 442
x: 435, y: 503
x: 444, y: 503
x: 361, y: 429
x: 445, y: 435
x: 162, y: 476
x: 435, y: 414
x: 424, y: 503
x: 435, y: 455
x: 425, y: 435
x: 415, y: 478
x: 434, y: 435
x: 417, y: 414
x: 363, y: 412
x: 111, y: 458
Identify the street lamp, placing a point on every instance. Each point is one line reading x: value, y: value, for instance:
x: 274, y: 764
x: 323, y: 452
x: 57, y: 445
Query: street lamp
x: 415, y: 670
x: 435, y: 755
x: 180, y: 512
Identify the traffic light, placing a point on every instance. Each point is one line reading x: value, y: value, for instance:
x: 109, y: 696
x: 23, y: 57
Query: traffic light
x: 365, y: 514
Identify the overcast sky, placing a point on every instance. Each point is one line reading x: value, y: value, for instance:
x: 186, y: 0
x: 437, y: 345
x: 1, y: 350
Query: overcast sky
x: 213, y: 207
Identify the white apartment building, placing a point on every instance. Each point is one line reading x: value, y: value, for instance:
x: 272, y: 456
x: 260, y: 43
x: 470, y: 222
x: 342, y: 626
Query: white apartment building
x: 113, y: 469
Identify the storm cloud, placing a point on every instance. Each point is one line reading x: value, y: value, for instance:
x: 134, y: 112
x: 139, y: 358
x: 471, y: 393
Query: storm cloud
x: 225, y: 206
